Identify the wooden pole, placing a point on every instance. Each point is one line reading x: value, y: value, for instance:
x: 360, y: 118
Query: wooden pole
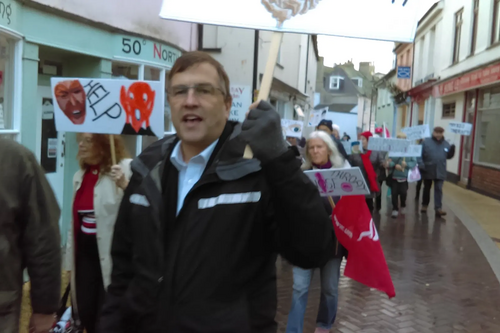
x: 112, y: 145
x: 331, y: 202
x: 267, y: 79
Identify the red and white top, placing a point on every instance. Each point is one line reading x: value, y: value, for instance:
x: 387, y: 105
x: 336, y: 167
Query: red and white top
x: 83, y: 207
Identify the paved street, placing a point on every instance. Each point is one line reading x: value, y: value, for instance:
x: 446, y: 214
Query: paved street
x: 443, y: 282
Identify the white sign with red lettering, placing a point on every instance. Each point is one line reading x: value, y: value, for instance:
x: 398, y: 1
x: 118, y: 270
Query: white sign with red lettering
x: 242, y: 99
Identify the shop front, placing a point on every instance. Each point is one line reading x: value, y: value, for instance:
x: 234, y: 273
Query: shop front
x: 55, y: 46
x: 10, y: 70
x: 479, y: 154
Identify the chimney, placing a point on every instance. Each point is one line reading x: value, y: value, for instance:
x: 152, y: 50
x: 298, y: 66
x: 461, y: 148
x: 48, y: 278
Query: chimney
x: 366, y: 68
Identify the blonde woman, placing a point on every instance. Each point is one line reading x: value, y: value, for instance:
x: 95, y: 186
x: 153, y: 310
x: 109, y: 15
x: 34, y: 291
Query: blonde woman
x: 98, y: 191
x: 320, y: 153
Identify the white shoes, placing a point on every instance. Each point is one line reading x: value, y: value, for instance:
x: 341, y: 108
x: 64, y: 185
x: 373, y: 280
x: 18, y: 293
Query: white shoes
x: 395, y: 213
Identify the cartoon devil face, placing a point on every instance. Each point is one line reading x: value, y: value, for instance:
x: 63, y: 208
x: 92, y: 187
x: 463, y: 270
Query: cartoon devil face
x: 283, y: 10
x: 138, y: 102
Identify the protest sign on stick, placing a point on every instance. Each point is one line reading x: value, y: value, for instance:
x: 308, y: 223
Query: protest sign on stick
x: 108, y: 106
x: 417, y: 132
x: 388, y: 144
x: 460, y: 128
x: 339, y: 182
x: 292, y: 128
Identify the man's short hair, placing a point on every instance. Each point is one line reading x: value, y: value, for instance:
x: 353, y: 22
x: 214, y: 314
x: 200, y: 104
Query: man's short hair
x: 439, y: 129
x: 190, y: 59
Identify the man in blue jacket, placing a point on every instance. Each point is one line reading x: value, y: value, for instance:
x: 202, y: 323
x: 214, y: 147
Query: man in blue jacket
x: 435, y: 152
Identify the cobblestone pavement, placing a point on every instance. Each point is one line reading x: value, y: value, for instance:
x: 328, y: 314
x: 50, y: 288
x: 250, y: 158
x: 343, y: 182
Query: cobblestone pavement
x: 442, y: 279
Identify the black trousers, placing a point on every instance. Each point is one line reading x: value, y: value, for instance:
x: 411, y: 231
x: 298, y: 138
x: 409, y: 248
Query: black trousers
x: 369, y: 203
x: 419, y: 186
x: 89, y: 287
x: 399, y: 191
x: 378, y: 198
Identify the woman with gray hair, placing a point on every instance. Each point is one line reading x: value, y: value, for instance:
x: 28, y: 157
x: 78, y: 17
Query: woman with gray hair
x: 320, y: 153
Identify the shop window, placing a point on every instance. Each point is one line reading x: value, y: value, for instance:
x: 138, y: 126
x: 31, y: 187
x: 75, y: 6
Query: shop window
x: 7, y: 114
x: 449, y: 110
x: 125, y: 70
x: 487, y: 149
x: 152, y: 73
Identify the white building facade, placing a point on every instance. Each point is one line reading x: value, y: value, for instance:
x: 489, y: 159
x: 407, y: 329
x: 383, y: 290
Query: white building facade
x: 457, y: 79
x: 244, y: 53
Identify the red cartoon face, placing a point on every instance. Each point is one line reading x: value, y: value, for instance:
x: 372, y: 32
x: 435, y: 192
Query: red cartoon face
x: 138, y: 102
x: 70, y: 97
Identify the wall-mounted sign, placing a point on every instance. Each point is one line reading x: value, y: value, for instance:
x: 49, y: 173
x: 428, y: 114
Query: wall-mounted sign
x: 8, y: 13
x: 404, y: 72
x: 468, y: 81
x: 109, y: 106
x: 391, y: 20
x: 146, y: 50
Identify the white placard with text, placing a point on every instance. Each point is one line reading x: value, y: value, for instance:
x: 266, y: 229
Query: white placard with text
x: 388, y: 144
x: 411, y: 151
x: 242, y: 99
x: 417, y: 132
x: 460, y: 128
x: 339, y: 182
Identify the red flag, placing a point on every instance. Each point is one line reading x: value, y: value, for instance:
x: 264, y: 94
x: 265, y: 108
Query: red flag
x: 356, y: 231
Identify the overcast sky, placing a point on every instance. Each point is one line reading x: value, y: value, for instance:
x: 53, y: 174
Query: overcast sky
x: 340, y: 50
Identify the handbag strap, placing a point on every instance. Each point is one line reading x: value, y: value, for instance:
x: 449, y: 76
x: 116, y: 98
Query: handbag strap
x: 64, y: 301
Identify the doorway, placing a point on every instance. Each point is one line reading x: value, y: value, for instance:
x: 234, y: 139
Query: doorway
x: 51, y: 148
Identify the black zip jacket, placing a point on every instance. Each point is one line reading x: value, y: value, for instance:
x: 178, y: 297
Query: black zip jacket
x: 211, y: 268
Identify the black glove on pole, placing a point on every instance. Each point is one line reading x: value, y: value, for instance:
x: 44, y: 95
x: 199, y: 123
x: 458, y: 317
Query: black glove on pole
x: 262, y: 131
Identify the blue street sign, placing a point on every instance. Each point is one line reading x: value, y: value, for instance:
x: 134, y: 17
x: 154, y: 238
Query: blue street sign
x: 404, y: 72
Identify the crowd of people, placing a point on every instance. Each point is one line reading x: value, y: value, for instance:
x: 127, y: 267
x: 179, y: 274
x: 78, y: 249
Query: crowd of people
x: 185, y: 237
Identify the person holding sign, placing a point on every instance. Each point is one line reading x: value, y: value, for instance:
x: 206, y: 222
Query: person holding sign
x: 398, y: 171
x: 370, y: 163
x: 99, y: 188
x: 435, y: 152
x: 321, y: 153
x: 327, y: 126
x: 198, y: 233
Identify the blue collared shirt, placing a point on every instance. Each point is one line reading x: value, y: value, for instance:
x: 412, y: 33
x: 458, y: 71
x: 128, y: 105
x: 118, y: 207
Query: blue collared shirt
x: 190, y: 173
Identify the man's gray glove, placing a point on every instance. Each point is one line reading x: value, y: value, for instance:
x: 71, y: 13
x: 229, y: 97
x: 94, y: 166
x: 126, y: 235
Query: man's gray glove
x: 262, y: 131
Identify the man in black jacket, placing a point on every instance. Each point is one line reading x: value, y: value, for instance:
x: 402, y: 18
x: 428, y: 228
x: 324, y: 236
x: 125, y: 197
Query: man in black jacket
x: 200, y: 227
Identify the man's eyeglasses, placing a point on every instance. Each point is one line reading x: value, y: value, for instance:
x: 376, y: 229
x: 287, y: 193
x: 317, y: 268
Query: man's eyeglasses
x: 200, y: 91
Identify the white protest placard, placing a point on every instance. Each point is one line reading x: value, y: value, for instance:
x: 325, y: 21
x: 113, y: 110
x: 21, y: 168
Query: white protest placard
x: 417, y: 132
x: 315, y: 116
x: 292, y: 128
x: 411, y: 151
x: 109, y: 106
x: 242, y: 99
x: 347, y: 147
x: 388, y: 144
x: 305, y: 16
x: 460, y: 128
x: 339, y: 182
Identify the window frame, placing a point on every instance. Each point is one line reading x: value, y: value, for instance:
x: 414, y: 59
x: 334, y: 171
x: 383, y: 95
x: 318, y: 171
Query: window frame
x: 16, y: 93
x: 495, y: 23
x: 331, y: 79
x: 475, y: 23
x: 443, y: 116
x: 457, y: 36
x: 359, y: 81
